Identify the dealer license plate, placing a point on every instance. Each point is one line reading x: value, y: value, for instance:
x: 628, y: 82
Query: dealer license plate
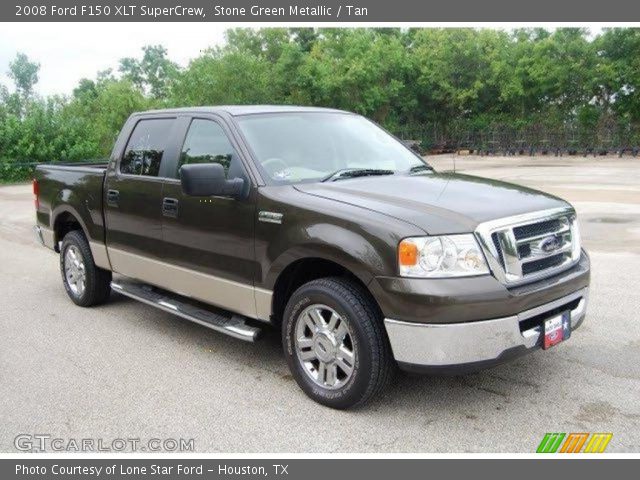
x: 556, y: 330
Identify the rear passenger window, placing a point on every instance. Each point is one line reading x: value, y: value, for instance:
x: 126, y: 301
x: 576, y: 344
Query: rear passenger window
x: 145, y: 147
x: 206, y: 142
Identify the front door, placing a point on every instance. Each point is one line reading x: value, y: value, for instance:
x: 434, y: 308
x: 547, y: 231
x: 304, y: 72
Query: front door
x: 210, y: 240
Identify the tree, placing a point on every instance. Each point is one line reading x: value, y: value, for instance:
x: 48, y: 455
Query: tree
x: 617, y: 81
x: 24, y: 74
x: 460, y: 71
x: 221, y: 77
x: 266, y: 43
x: 306, y: 38
x: 86, y: 89
x: 457, y: 79
x: 153, y: 74
x: 359, y: 70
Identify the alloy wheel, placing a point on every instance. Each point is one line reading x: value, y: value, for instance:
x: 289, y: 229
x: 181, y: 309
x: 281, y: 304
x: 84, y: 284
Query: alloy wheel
x: 74, y: 270
x: 324, y: 346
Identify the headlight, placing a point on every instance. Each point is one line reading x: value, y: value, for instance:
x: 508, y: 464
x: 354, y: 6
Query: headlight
x: 441, y: 256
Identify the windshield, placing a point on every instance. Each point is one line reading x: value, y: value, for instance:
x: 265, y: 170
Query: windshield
x: 299, y: 147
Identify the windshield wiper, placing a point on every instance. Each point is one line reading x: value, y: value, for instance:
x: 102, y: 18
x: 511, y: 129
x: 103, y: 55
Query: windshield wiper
x: 355, y: 172
x: 420, y: 168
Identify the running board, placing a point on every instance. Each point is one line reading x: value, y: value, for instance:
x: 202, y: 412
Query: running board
x: 233, y: 325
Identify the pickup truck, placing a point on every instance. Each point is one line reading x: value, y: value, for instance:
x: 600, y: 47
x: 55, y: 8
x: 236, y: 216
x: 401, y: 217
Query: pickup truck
x: 321, y: 224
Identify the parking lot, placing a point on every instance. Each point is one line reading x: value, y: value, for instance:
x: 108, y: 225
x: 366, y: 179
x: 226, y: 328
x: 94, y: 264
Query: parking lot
x: 127, y: 370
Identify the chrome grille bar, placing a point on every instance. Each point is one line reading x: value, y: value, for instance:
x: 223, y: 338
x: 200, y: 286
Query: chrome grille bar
x: 509, y: 249
x: 561, y: 231
x: 546, y: 243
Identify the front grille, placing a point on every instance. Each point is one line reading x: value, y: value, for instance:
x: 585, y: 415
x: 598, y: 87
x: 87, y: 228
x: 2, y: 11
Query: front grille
x: 534, y: 229
x: 528, y: 250
x: 542, y: 264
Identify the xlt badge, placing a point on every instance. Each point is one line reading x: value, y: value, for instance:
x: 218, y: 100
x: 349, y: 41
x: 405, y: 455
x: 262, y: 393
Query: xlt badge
x: 270, y: 217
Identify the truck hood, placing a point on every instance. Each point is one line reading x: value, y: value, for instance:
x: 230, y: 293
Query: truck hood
x: 438, y: 203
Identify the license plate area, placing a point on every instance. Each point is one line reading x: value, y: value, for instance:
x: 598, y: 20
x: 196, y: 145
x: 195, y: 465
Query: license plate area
x: 556, y: 329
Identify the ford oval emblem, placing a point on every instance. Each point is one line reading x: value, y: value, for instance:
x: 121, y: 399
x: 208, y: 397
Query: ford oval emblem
x: 549, y: 244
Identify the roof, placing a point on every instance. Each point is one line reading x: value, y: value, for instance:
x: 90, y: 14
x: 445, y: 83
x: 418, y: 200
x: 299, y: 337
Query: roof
x: 236, y: 110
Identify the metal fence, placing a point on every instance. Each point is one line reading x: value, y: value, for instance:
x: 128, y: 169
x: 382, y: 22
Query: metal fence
x: 529, y: 140
x: 607, y: 138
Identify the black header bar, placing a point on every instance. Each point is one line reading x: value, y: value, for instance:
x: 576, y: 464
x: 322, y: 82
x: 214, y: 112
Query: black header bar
x: 306, y: 11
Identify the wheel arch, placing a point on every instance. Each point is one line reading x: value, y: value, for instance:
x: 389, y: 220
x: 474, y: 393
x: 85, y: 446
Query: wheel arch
x: 65, y: 220
x: 306, y: 269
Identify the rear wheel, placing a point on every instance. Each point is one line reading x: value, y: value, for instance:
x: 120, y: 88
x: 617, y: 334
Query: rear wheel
x: 85, y: 283
x: 335, y: 343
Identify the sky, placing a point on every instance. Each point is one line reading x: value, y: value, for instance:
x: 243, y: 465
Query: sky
x: 68, y: 52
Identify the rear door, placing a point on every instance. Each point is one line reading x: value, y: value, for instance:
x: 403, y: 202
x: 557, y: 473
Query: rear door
x: 210, y: 240
x: 133, y: 203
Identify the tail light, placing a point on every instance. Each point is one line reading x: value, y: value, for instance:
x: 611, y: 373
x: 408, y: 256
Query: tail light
x: 36, y: 193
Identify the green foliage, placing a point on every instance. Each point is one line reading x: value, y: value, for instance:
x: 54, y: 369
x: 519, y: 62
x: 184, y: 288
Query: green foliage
x: 10, y: 172
x: 223, y: 77
x: 359, y: 70
x: 24, y: 73
x: 59, y: 128
x: 459, y: 79
x: 152, y: 74
x: 617, y: 85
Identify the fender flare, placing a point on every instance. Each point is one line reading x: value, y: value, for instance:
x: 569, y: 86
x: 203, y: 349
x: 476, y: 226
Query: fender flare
x: 317, y: 251
x: 65, y: 208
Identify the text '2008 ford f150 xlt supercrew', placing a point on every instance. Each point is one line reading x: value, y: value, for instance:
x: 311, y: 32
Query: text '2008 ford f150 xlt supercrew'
x: 320, y: 223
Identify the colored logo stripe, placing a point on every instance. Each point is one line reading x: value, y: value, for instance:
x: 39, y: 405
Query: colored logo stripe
x: 574, y: 442
x: 550, y: 443
x: 598, y: 442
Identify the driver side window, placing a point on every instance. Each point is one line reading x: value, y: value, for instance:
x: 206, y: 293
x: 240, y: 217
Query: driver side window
x: 206, y: 142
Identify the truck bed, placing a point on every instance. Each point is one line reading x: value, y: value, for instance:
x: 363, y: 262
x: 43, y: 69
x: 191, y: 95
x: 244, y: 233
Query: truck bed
x: 77, y: 166
x: 76, y: 188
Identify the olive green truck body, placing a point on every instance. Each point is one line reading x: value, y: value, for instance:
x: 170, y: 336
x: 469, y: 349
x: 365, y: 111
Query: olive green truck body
x: 244, y: 253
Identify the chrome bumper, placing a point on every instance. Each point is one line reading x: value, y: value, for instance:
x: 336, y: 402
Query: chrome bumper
x: 38, y: 231
x: 44, y: 236
x: 487, y: 341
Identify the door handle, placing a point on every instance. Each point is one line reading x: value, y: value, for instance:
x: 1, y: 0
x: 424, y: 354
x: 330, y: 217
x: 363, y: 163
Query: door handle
x: 170, y: 207
x: 112, y: 198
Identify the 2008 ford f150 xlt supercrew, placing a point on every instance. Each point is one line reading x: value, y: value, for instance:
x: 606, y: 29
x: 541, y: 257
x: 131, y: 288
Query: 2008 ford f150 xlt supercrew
x: 320, y: 223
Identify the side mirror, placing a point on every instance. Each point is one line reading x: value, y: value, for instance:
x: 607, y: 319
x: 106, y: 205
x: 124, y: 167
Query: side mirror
x: 208, y: 179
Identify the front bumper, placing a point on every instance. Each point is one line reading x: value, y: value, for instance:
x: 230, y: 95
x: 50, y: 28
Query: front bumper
x: 470, y: 299
x: 470, y: 346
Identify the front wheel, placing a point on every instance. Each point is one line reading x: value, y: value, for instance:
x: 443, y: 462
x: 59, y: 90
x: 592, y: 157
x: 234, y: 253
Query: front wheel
x: 85, y: 283
x: 335, y: 343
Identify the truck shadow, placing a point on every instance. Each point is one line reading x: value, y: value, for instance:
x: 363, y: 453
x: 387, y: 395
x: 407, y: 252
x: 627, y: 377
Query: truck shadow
x: 490, y: 389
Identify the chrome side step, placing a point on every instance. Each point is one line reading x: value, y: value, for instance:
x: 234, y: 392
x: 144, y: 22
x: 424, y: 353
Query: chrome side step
x: 233, y: 325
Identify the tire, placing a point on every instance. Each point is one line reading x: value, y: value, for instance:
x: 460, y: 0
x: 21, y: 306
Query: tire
x: 337, y: 369
x: 85, y: 283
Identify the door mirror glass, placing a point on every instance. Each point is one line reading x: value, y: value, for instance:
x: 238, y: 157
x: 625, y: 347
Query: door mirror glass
x: 209, y: 179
